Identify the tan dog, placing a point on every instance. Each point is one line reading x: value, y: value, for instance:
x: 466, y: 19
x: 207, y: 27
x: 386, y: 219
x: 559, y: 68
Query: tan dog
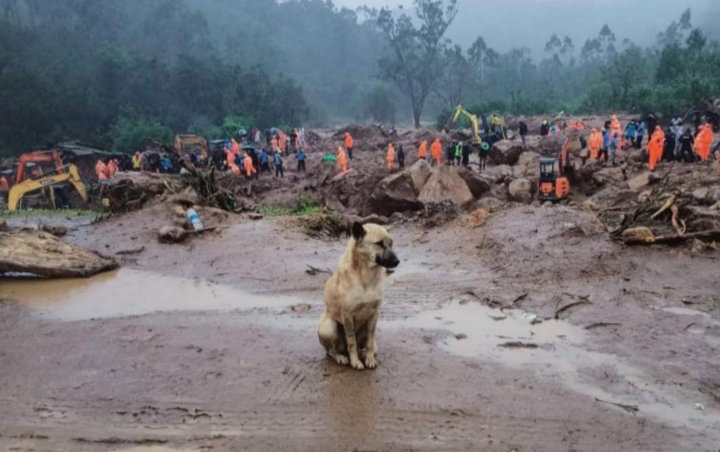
x: 353, y: 295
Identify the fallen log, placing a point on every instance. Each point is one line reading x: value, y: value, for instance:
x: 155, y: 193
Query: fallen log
x: 44, y: 254
x: 713, y: 234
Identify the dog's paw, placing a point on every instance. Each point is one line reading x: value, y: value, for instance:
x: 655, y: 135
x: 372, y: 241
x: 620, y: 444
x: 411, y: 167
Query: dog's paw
x: 357, y: 365
x: 370, y: 362
x: 341, y: 359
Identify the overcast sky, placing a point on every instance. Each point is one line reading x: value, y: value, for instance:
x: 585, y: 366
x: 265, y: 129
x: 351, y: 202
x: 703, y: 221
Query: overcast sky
x: 505, y: 24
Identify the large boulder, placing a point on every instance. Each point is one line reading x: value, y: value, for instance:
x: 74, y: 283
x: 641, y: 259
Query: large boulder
x: 395, y: 193
x: 419, y: 172
x: 506, y: 152
x: 528, y: 165
x: 446, y: 185
x: 521, y: 190
x: 550, y: 146
x: 612, y: 175
x: 641, y: 181
x: 478, y: 183
x: 498, y: 173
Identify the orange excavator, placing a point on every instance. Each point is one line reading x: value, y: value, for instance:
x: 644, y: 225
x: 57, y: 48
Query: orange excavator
x: 58, y: 175
x: 553, y: 184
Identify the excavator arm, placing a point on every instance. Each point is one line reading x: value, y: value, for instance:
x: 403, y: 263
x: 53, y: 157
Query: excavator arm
x: 72, y: 175
x: 459, y: 110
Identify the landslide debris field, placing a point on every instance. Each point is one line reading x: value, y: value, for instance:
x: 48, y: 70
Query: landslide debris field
x: 588, y: 325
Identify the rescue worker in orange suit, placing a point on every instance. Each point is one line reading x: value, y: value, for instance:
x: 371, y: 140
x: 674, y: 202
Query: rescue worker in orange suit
x: 274, y: 145
x: 4, y: 186
x: 390, y: 157
x: 112, y: 168
x: 282, y: 142
x: 422, y: 150
x: 250, y: 170
x: 703, y: 142
x: 595, y: 143
x: 436, y: 151
x: 101, y: 170
x: 655, y: 148
x: 235, y: 148
x: 341, y: 160
x: 349, y: 144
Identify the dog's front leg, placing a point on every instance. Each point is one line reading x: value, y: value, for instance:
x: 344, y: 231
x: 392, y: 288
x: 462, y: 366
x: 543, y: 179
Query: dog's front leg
x: 349, y: 324
x: 371, y: 347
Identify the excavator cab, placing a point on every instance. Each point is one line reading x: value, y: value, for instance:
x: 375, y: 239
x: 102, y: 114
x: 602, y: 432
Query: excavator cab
x: 552, y: 185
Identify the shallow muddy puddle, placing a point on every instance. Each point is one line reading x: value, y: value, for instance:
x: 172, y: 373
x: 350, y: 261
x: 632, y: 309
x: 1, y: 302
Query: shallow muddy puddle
x: 554, y: 349
x: 130, y: 292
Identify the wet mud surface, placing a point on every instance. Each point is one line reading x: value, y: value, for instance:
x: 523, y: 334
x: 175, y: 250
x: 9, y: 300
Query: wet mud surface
x: 533, y: 332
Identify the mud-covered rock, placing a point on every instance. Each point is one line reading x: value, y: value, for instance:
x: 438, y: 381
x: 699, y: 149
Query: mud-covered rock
x: 612, y: 175
x: 549, y: 146
x: 498, y: 173
x: 446, y: 185
x: 528, y: 165
x: 395, y: 193
x: 506, y: 152
x: 419, y: 172
x: 478, y: 183
x: 489, y: 204
x: 521, y: 190
x: 44, y: 254
x: 640, y: 181
x: 172, y: 234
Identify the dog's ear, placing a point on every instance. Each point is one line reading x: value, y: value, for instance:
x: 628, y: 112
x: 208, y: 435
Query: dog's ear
x: 358, y: 231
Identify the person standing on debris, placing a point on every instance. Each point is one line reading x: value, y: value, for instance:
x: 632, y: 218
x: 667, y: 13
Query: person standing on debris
x: 630, y: 131
x: 544, y: 128
x: 301, y: 160
x: 466, y: 154
x: 422, y: 150
x: 603, y: 155
x: 274, y: 145
x: 101, y: 170
x: 655, y: 147
x: 613, y: 147
x: 349, y: 144
x: 250, y: 170
x: 458, y: 153
x: 137, y: 161
x: 669, y: 146
x: 111, y: 168
x: 436, y: 151
x: 390, y: 157
x: 595, y: 142
x: 640, y: 134
x: 703, y: 141
x: 401, y: 157
x: 687, y: 144
x: 523, y: 131
x: 342, y: 162
x: 484, y: 154
x: 278, y: 165
x: 282, y: 142
x: 450, y: 153
x: 264, y: 165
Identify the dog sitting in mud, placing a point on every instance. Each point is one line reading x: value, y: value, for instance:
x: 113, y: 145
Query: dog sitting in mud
x: 353, y: 295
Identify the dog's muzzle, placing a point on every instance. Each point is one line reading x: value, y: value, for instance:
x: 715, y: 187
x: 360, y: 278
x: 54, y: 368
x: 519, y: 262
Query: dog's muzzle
x: 389, y: 260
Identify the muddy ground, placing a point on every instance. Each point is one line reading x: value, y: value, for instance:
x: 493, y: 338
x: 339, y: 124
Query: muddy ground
x: 211, y: 345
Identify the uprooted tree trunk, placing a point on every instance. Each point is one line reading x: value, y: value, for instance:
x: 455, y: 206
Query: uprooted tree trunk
x: 43, y: 254
x: 206, y: 183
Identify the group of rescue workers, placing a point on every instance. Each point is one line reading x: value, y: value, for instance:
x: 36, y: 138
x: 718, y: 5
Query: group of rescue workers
x: 251, y: 157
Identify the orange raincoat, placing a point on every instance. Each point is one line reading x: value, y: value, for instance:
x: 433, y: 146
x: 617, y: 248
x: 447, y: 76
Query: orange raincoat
x: 595, y: 143
x: 422, y: 150
x: 390, y: 157
x: 703, y: 142
x: 249, y: 168
x: 101, y: 170
x: 348, y: 140
x: 655, y: 148
x: 436, y: 151
x: 341, y: 160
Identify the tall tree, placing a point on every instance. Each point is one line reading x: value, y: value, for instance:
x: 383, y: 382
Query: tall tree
x: 414, y: 62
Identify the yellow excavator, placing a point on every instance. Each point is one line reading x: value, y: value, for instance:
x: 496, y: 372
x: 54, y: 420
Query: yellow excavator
x: 65, y: 174
x: 490, y: 137
x: 459, y: 110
